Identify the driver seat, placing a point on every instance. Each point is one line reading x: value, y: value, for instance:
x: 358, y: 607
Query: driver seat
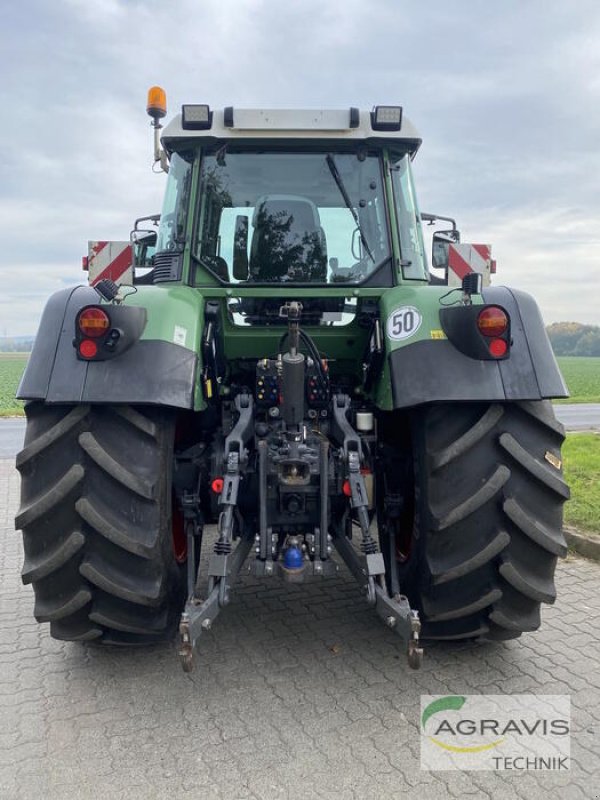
x: 288, y: 242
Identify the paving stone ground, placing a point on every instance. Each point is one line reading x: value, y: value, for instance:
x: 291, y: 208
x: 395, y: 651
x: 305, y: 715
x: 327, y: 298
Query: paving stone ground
x: 300, y: 692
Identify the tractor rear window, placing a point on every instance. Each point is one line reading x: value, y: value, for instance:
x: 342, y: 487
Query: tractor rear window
x: 291, y: 217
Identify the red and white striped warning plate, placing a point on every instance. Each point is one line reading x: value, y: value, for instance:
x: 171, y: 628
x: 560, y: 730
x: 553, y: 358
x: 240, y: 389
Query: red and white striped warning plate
x: 112, y: 260
x: 465, y: 258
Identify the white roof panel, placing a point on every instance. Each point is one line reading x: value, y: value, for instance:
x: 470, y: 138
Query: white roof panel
x: 266, y: 123
x: 282, y: 119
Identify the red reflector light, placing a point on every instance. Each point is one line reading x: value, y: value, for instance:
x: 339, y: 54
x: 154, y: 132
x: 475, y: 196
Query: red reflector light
x: 347, y: 489
x: 498, y: 348
x: 88, y: 348
x: 93, y: 322
x: 492, y: 321
x: 217, y: 485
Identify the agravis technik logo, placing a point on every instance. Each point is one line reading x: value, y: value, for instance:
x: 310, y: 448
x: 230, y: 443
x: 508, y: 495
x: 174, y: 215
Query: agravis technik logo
x: 497, y: 732
x: 454, y: 703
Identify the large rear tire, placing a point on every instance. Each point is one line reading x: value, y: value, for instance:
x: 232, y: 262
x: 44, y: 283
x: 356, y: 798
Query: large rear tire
x: 96, y: 519
x: 486, y: 515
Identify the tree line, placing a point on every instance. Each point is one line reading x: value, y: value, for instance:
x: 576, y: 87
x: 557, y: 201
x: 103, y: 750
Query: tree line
x: 16, y: 344
x: 574, y: 339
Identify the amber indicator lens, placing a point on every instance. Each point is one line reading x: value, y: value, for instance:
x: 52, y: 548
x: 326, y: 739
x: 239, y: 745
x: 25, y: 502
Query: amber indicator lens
x: 492, y: 321
x: 93, y: 322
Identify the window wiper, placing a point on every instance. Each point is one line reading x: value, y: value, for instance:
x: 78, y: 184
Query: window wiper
x: 220, y: 155
x: 340, y: 184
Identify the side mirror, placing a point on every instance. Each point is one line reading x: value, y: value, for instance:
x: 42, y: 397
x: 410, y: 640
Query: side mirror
x: 439, y: 251
x: 240, y: 248
x: 144, y: 244
x: 147, y: 238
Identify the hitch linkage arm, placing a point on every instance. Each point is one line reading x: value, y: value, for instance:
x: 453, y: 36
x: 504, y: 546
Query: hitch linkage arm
x: 224, y: 564
x: 235, y: 456
x: 370, y: 571
x: 352, y: 448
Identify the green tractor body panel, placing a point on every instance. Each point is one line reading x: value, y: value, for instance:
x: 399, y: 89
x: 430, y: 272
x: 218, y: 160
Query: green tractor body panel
x: 175, y: 315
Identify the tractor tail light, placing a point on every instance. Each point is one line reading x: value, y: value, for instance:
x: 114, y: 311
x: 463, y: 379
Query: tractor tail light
x: 492, y: 321
x: 88, y: 348
x: 93, y: 322
x: 498, y: 348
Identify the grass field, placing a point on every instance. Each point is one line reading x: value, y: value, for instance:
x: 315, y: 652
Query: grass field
x: 582, y: 376
x: 11, y: 369
x: 581, y: 457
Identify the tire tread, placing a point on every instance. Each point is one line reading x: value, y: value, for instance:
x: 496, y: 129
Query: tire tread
x: 489, y: 519
x: 95, y: 522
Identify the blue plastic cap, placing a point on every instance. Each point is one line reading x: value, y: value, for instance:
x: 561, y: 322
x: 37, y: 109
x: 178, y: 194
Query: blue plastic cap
x: 293, y: 558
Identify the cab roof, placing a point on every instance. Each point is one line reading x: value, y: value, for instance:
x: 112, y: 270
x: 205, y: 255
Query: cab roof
x: 292, y: 125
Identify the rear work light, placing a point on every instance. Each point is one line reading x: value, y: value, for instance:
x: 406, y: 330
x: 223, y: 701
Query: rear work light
x: 492, y: 321
x: 93, y: 322
x: 386, y: 118
x: 196, y: 118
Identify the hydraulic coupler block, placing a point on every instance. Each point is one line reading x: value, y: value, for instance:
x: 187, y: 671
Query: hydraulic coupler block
x: 266, y: 390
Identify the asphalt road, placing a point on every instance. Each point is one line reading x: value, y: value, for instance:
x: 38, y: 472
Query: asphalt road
x: 579, y: 416
x: 12, y: 432
x: 300, y: 694
x: 575, y: 417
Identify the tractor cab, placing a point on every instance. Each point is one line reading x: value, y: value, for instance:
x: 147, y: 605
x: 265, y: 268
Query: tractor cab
x: 295, y: 198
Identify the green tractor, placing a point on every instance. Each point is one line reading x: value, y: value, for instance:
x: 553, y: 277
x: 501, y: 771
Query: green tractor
x: 282, y: 365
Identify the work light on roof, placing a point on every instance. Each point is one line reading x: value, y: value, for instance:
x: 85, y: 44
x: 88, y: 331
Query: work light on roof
x: 386, y: 118
x: 196, y: 117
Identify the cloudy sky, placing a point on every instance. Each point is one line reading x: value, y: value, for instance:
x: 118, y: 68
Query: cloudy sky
x: 505, y: 95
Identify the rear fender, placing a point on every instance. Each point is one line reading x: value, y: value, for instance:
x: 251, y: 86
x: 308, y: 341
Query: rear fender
x: 153, y: 370
x: 425, y: 367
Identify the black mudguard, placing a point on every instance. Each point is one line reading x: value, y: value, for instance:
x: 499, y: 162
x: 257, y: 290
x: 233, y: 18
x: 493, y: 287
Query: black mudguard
x: 150, y: 372
x: 436, y: 371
